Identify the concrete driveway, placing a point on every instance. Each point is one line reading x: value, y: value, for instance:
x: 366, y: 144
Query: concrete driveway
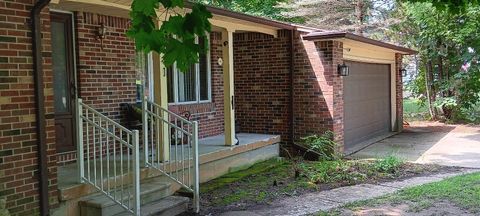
x: 431, y: 142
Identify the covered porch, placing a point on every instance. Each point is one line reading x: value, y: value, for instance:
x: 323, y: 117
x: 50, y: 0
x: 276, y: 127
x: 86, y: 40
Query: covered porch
x: 215, y: 159
x: 108, y: 150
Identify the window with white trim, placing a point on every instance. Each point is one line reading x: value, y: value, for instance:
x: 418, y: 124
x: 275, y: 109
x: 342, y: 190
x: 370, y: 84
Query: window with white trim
x: 192, y: 86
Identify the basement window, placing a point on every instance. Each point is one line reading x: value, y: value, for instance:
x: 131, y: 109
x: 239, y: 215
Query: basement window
x: 192, y: 86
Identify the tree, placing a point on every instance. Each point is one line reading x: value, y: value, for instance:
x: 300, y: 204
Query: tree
x: 452, y: 6
x: 448, y: 78
x: 358, y: 16
x: 175, y: 37
x: 262, y: 8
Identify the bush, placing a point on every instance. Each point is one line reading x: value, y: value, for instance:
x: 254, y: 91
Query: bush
x: 389, y: 164
x: 3, y: 210
x: 323, y: 145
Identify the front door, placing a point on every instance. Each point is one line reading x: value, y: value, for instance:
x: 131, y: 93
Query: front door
x: 63, y: 81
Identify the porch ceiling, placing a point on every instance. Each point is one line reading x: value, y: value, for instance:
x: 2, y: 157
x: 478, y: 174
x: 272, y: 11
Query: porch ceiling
x: 222, y: 19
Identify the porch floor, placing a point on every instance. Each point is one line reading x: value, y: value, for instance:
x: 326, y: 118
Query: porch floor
x: 210, y: 149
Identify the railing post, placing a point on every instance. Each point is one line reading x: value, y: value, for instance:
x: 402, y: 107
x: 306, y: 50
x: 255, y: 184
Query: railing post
x: 80, y: 156
x: 145, y: 129
x: 136, y: 172
x: 196, y: 178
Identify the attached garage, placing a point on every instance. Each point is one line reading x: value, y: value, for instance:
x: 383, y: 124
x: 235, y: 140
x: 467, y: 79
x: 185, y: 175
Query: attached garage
x: 367, y: 102
x: 361, y: 107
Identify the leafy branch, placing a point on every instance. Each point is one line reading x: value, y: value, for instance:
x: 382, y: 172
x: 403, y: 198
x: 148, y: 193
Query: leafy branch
x: 176, y: 37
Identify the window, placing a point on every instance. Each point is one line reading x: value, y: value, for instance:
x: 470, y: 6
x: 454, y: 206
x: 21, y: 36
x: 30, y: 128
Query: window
x: 192, y: 86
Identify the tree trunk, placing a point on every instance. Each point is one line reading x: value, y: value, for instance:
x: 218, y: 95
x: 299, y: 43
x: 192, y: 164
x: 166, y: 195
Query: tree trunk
x: 440, y: 71
x: 430, y: 90
x: 360, y: 15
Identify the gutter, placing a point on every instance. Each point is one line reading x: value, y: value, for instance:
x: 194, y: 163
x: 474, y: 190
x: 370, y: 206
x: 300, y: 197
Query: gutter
x: 292, y: 64
x: 347, y: 35
x: 40, y: 104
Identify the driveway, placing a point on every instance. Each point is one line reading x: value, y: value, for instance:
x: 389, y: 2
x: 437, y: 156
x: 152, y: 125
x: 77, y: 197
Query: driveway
x: 431, y: 142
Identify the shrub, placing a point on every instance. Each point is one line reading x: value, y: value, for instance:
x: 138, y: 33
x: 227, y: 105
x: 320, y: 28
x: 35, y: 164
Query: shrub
x: 389, y: 164
x: 323, y: 145
x: 3, y: 210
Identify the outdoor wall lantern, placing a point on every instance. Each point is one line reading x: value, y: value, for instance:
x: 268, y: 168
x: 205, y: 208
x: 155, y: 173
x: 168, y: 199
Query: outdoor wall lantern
x: 343, y: 70
x: 100, y: 33
x: 403, y: 71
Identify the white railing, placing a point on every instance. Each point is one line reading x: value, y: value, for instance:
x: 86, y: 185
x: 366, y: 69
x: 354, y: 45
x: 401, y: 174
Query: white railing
x: 109, y: 157
x: 171, y: 146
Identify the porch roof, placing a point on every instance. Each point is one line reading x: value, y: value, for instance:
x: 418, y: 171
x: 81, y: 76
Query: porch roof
x: 221, y: 17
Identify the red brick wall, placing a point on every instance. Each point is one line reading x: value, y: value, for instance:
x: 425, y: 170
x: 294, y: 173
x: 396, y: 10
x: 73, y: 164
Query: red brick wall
x: 318, y: 100
x: 209, y: 115
x: 399, y: 95
x: 105, y: 76
x: 18, y: 151
x: 262, y: 82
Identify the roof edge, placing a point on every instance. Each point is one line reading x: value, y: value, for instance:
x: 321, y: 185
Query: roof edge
x: 246, y: 17
x: 351, y: 36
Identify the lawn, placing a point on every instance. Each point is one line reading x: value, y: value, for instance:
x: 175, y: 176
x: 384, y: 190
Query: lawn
x: 414, y: 110
x: 458, y: 195
x: 266, y: 182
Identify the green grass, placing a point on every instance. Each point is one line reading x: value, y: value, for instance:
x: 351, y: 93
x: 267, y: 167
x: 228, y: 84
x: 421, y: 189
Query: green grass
x: 414, y: 110
x: 255, y: 184
x: 266, y: 181
x: 256, y: 169
x: 463, y: 191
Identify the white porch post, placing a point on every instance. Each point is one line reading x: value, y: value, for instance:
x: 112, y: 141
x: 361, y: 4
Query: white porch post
x: 228, y: 86
x: 161, y: 98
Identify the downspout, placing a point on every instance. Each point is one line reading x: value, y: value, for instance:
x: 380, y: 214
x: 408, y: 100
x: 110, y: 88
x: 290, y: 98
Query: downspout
x: 292, y: 64
x: 40, y: 104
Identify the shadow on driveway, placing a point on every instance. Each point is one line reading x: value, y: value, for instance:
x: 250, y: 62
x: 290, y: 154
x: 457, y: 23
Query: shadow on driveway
x: 431, y: 142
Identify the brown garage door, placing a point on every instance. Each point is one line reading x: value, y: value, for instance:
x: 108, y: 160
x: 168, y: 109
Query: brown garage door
x: 366, y: 102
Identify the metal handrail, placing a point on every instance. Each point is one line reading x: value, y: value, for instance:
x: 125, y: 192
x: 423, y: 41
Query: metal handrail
x: 102, y: 140
x: 171, y: 146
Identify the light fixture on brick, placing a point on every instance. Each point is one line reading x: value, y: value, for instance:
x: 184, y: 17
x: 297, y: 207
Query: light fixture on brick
x: 403, y: 71
x: 343, y: 70
x: 100, y: 33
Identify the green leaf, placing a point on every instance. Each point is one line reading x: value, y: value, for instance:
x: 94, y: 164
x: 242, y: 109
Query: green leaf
x: 175, y: 38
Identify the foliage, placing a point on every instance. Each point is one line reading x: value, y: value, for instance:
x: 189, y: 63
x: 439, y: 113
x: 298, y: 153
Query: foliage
x: 448, y: 77
x: 259, y: 183
x: 359, y: 16
x: 176, y: 36
x: 332, y: 172
x: 3, y: 209
x: 389, y: 164
x: 452, y: 6
x: 322, y: 145
x: 414, y: 109
x: 262, y: 8
x: 462, y: 190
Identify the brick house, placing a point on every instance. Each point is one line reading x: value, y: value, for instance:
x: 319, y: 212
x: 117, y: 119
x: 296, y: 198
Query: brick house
x: 262, y: 83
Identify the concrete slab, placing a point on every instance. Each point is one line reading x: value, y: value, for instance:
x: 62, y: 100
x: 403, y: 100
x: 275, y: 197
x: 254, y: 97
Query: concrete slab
x: 431, y: 142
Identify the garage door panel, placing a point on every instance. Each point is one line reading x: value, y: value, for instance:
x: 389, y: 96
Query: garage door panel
x: 366, y: 102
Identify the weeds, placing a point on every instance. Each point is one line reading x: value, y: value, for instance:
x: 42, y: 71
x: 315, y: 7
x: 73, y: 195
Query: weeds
x: 323, y: 145
x: 389, y: 164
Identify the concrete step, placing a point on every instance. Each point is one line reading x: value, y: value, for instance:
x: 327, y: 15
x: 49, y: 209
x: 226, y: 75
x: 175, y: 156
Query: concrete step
x: 100, y: 205
x: 168, y: 206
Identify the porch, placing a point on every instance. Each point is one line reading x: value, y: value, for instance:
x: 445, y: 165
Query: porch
x: 215, y: 159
